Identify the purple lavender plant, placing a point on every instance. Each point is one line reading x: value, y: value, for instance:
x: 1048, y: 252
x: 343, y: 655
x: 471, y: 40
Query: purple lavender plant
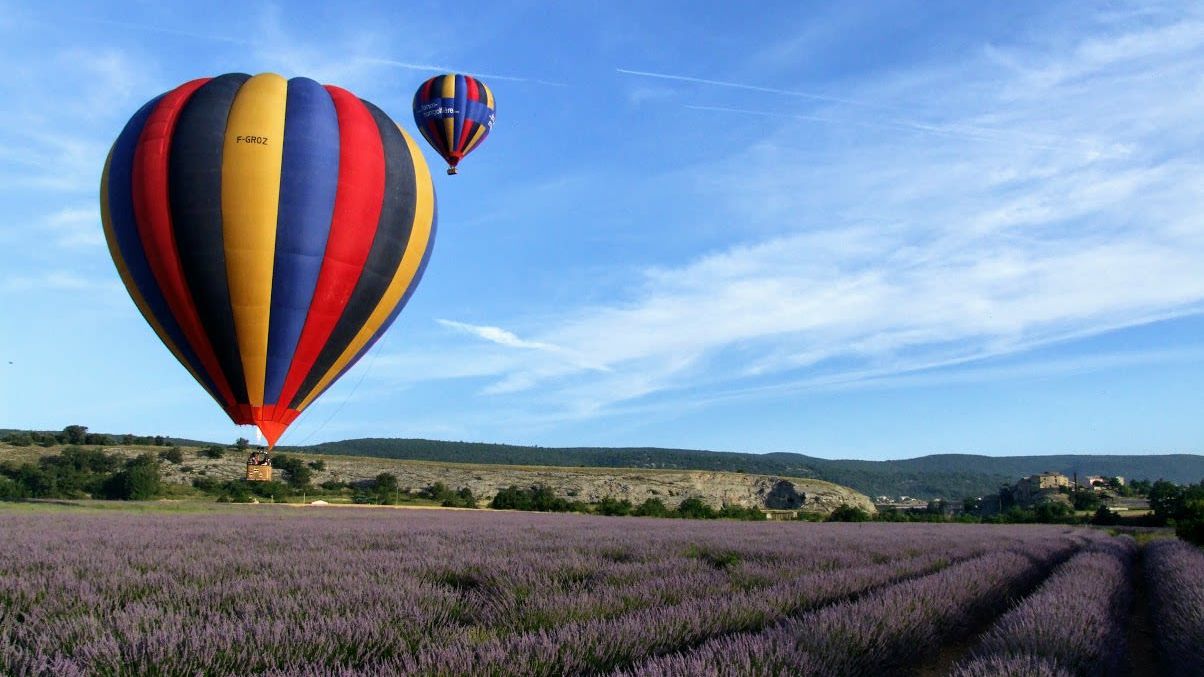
x: 1174, y: 573
x: 1075, y: 621
x: 279, y: 590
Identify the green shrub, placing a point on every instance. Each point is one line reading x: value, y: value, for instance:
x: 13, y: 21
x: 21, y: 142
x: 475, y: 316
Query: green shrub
x: 652, y: 507
x: 695, y: 508
x: 538, y: 497
x: 11, y: 491
x: 848, y: 513
x: 235, y: 491
x: 206, y: 484
x: 295, y: 472
x: 611, y: 506
x: 138, y: 481
x: 1191, y: 531
x: 751, y: 513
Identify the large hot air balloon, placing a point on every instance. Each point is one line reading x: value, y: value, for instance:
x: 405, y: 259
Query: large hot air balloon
x: 269, y: 231
x: 455, y: 114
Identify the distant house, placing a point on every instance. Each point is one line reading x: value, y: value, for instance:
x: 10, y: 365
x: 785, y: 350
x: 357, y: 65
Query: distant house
x: 1034, y: 488
x: 1099, y: 482
x: 1026, y: 493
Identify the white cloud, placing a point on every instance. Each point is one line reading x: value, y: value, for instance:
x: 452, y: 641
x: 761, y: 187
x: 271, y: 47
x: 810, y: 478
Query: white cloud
x: 497, y: 335
x: 1061, y: 204
x: 57, y: 280
x: 76, y: 227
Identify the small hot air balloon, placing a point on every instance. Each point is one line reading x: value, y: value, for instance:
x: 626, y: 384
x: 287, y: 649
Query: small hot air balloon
x: 269, y: 231
x: 455, y: 113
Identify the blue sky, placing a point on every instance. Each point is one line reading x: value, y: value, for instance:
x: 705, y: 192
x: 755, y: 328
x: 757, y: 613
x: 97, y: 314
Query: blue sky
x: 870, y: 230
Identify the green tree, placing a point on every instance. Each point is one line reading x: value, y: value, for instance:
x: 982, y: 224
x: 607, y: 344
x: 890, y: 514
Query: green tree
x: 235, y: 491
x: 386, y: 488
x: 19, y: 439
x: 611, y: 506
x: 318, y: 465
x: 1052, y: 512
x: 1086, y: 500
x: 538, y: 497
x: 172, y: 455
x: 138, y: 481
x: 695, y: 508
x: 212, y: 451
x: 241, y: 444
x: 1166, y: 500
x: 296, y: 473
x: 10, y: 490
x: 74, y: 434
x: 1105, y: 517
x: 652, y: 507
x: 848, y: 513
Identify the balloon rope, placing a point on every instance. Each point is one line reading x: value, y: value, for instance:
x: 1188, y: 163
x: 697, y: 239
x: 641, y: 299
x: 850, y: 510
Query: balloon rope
x: 372, y: 360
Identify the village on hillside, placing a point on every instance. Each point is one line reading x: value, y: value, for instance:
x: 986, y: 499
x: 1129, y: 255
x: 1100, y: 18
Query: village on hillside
x: 1049, y: 491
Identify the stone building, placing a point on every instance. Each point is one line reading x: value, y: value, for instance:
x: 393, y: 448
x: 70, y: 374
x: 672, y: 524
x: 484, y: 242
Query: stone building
x: 1028, y: 492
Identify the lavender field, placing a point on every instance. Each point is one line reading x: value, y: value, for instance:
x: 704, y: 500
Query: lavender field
x: 286, y: 591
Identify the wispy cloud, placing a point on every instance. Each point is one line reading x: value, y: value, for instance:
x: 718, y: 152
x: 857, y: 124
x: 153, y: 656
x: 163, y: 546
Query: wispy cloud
x: 1063, y: 206
x: 498, y: 335
x: 448, y: 69
x: 562, y: 359
x: 745, y: 86
x: 151, y: 28
x: 57, y: 280
x: 959, y: 131
x: 76, y: 227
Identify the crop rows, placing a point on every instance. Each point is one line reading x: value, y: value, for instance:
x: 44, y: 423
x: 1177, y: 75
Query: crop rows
x: 1074, y: 625
x: 1175, y: 578
x: 345, y: 592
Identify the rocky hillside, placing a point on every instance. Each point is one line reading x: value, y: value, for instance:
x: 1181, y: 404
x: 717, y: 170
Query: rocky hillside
x: 594, y: 484
x: 590, y: 485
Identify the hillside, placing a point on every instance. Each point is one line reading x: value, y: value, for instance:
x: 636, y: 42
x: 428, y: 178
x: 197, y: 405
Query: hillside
x: 951, y: 476
x: 589, y: 485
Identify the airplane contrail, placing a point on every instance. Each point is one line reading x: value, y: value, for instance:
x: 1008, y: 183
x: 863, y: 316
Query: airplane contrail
x: 444, y: 69
x: 737, y: 85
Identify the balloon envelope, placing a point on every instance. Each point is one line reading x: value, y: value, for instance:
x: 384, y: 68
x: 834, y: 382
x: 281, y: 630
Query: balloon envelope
x: 269, y: 231
x: 454, y: 113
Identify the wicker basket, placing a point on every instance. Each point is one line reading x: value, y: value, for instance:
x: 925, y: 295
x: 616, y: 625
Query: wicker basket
x: 259, y: 473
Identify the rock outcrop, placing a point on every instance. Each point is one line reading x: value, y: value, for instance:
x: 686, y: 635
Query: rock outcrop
x: 590, y: 485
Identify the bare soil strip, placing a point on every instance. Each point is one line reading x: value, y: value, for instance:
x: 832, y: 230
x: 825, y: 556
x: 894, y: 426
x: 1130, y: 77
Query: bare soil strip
x: 1143, y: 654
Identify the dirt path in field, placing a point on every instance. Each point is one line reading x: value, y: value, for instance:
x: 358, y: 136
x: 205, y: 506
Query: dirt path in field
x: 1143, y: 655
x: 941, y: 664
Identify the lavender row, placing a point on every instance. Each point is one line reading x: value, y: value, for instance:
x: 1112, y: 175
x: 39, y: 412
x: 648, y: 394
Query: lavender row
x: 1174, y: 573
x: 290, y: 590
x: 1075, y: 622
x: 882, y: 633
x: 726, y: 580
x: 600, y: 646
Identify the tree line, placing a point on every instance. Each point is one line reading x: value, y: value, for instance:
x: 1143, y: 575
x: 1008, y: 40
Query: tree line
x: 79, y: 435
